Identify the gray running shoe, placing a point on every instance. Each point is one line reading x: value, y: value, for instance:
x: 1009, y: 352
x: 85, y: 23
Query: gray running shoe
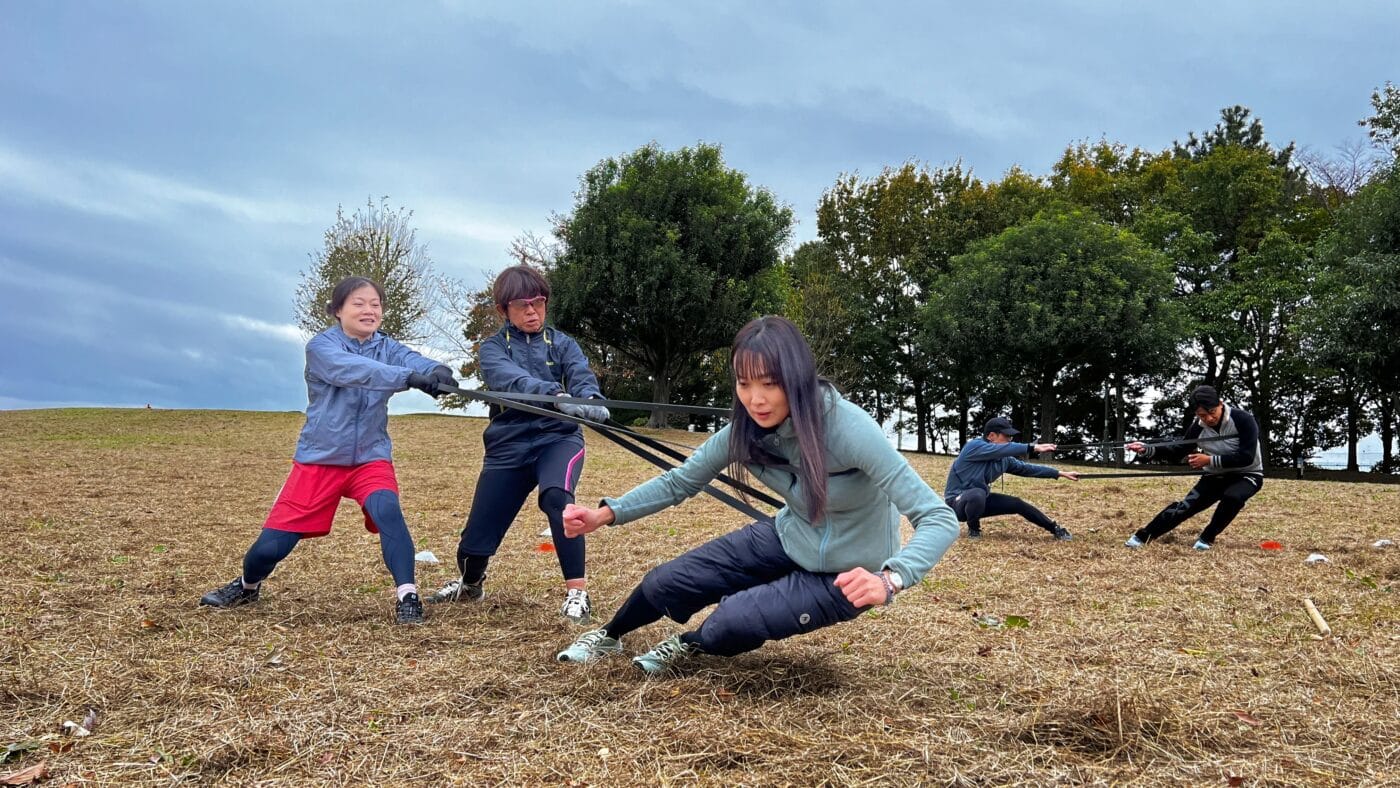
x: 661, y: 658
x: 590, y: 646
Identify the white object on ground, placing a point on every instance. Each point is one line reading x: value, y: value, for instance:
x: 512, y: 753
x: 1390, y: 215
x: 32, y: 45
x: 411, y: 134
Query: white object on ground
x: 1316, y: 558
x: 426, y: 557
x: 1384, y: 543
x: 1317, y: 619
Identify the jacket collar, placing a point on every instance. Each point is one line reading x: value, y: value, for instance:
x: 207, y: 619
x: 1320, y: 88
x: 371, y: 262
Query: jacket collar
x: 829, y: 398
x: 351, y: 343
x: 510, y: 331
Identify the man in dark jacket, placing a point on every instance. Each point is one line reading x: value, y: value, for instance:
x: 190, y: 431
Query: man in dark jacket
x: 1228, y: 455
x: 982, y: 461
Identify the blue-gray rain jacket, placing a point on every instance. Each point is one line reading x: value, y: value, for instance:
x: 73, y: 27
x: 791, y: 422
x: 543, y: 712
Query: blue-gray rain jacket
x: 348, y: 385
x: 982, y: 462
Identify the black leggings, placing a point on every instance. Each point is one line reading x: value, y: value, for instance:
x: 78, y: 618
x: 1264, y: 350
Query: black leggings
x: 500, y: 494
x: 1230, y: 490
x: 971, y: 506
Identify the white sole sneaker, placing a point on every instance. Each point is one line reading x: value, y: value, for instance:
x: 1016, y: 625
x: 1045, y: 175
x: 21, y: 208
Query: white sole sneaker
x: 590, y: 646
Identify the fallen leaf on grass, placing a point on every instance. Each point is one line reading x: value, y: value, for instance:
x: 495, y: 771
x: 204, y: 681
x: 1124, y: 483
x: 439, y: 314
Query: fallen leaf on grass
x: 33, y: 774
x: 1246, y: 717
x: 60, y: 747
x: 1017, y: 622
x: 724, y: 693
x: 1234, y: 781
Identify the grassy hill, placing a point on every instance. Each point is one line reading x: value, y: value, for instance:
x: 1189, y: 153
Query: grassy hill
x: 1157, y: 666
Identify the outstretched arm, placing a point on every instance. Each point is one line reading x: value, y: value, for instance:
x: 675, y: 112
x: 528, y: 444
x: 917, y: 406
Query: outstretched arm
x: 328, y: 362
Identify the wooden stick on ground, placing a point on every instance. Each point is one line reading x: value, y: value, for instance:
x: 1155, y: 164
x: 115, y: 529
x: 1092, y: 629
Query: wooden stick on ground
x: 1317, y: 618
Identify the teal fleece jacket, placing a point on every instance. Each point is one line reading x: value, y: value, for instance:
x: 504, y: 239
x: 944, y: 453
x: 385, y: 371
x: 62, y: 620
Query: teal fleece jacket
x: 869, y: 485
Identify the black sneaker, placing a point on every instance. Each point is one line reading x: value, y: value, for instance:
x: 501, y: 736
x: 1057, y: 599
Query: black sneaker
x: 458, y: 591
x: 231, y: 595
x: 974, y: 533
x: 1059, y: 532
x: 409, y: 610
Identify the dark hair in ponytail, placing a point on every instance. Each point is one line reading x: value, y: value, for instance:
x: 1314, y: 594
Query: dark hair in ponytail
x: 772, y: 347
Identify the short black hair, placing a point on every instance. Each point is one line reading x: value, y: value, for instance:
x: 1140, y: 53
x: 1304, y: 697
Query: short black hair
x: 1204, y: 397
x: 345, y: 287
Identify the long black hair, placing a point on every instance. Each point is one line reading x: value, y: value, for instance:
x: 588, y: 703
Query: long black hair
x: 772, y: 347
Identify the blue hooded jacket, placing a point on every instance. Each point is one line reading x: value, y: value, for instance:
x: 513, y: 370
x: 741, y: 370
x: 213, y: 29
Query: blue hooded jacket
x: 546, y: 362
x: 348, y: 385
x: 982, y: 462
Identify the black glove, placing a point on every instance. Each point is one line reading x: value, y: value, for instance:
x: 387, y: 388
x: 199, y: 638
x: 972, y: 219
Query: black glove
x: 442, y: 376
x: 425, y: 384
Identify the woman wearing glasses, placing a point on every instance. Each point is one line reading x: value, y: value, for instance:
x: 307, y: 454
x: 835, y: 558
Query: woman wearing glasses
x: 525, y: 451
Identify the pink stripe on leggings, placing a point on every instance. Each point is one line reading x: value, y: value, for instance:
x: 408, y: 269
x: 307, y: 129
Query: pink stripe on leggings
x: 569, y: 473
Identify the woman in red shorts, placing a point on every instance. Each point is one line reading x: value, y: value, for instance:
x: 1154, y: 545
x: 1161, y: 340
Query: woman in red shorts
x: 344, y: 452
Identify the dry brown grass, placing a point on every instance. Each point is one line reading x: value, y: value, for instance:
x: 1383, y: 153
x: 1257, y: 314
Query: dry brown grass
x: 1130, y: 672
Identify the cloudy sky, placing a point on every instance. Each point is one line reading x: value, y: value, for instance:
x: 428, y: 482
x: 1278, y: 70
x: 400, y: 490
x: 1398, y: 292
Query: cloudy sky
x: 166, y: 168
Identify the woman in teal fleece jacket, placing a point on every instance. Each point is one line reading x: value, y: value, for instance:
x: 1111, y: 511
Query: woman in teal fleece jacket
x: 831, y: 553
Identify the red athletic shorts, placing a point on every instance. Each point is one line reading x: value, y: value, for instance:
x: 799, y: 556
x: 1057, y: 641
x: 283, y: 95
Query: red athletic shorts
x: 312, y: 493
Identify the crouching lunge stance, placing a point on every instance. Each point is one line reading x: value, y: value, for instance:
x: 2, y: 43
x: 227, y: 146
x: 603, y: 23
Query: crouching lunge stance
x: 344, y: 449
x: 833, y: 550
x: 1228, y: 453
x: 982, y: 461
x: 523, y: 450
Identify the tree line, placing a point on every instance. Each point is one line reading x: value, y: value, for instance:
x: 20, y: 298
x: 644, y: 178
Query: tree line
x: 1083, y: 303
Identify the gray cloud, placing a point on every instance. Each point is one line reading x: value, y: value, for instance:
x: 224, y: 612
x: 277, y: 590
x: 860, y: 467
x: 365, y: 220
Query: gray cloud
x: 165, y: 168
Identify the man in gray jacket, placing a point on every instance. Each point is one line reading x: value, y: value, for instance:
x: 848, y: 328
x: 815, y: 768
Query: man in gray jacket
x: 1229, y: 456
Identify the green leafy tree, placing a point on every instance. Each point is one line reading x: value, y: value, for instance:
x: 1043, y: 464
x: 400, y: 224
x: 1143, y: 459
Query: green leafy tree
x: 893, y: 236
x: 817, y: 297
x: 664, y: 258
x: 1357, y: 308
x: 1383, y: 125
x: 379, y: 242
x: 1060, y: 294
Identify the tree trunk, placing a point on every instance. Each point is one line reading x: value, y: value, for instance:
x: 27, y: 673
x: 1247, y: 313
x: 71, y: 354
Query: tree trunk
x: 660, y: 393
x: 1119, y: 409
x: 1264, y: 414
x: 920, y: 417
x: 1047, y: 409
x: 964, y: 406
x: 1387, y: 431
x: 1352, y: 429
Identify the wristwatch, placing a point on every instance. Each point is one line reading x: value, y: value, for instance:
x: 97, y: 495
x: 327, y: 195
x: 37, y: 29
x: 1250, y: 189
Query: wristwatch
x: 893, y: 584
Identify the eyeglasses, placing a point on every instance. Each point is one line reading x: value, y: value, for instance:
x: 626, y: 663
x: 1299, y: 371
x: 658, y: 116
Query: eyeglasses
x: 536, y: 303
